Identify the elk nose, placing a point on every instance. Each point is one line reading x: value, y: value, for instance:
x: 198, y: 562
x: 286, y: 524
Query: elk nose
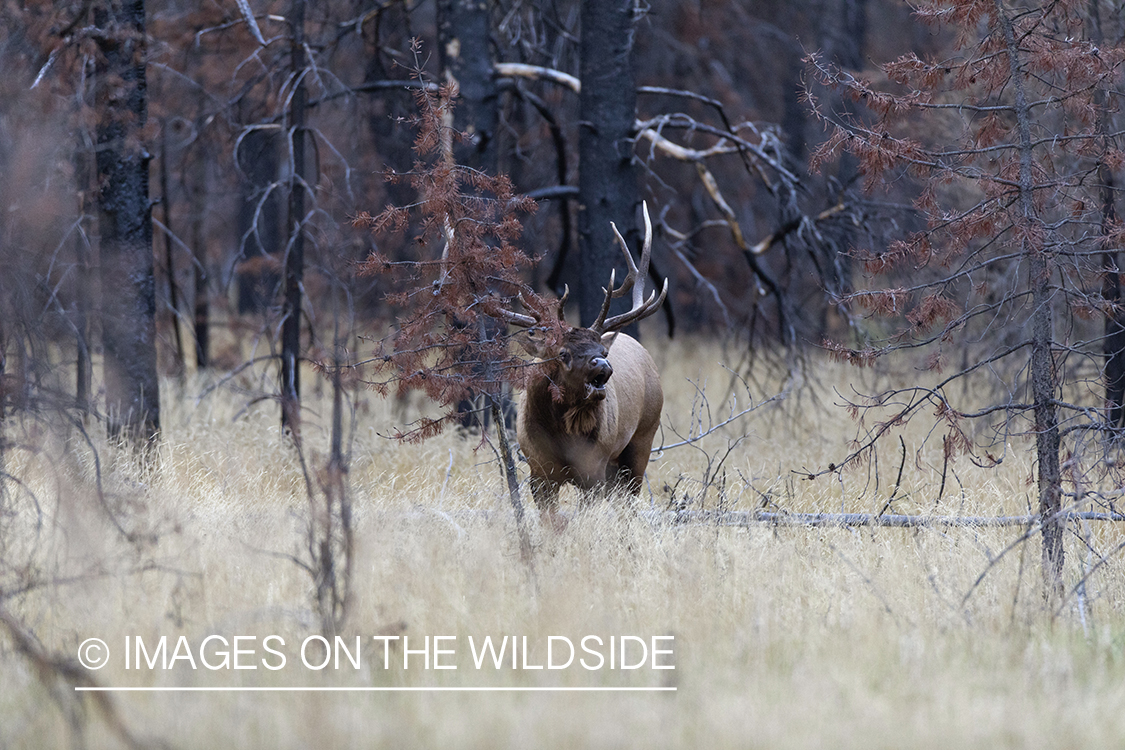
x: 602, y: 368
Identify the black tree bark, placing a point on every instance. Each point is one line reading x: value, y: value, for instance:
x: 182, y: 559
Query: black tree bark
x: 1042, y: 371
x: 82, y: 304
x: 464, y: 39
x: 169, y: 251
x: 125, y: 224
x: 1114, y: 344
x: 295, y: 254
x: 1115, y: 320
x: 201, y: 328
x: 259, y: 219
x: 199, y: 157
x: 607, y: 181
x: 1115, y: 327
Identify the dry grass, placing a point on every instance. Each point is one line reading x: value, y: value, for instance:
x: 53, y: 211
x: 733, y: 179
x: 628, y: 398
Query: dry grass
x: 788, y: 637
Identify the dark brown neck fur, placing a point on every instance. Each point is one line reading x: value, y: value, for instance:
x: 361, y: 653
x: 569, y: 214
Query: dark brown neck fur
x: 576, y: 417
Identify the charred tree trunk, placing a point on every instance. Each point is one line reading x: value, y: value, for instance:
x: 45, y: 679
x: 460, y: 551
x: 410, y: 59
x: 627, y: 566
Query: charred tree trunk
x: 202, y: 319
x: 201, y: 328
x: 125, y: 224
x: 389, y: 28
x: 199, y: 156
x: 607, y: 181
x: 1047, y: 439
x: 464, y: 41
x: 852, y: 33
x: 848, y: 34
x: 169, y: 250
x: 259, y: 220
x: 333, y: 552
x: 295, y: 253
x: 1042, y: 371
x: 1114, y: 344
x: 82, y: 304
x: 509, y: 466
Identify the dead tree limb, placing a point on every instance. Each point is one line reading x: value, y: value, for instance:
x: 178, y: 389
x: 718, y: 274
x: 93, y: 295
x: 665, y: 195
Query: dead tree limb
x: 895, y: 520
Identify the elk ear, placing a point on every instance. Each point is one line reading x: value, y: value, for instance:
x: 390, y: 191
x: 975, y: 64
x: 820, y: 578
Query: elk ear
x: 608, y: 339
x: 532, y: 342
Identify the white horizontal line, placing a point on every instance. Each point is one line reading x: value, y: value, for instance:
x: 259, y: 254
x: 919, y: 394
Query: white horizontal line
x: 374, y: 689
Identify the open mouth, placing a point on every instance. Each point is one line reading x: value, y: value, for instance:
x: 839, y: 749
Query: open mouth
x: 595, y: 386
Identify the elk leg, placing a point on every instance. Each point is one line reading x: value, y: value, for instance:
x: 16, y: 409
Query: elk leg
x: 592, y: 484
x: 619, y: 476
x: 632, y: 464
x: 546, y: 494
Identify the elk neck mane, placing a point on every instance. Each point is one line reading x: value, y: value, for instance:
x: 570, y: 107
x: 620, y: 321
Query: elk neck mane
x: 578, y: 418
x: 582, y: 420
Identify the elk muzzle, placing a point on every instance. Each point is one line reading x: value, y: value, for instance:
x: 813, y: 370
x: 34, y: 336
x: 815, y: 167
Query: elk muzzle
x: 600, y: 372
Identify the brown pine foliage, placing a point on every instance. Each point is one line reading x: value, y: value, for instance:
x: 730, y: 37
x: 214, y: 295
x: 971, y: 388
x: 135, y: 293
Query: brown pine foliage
x: 1008, y: 141
x: 447, y: 342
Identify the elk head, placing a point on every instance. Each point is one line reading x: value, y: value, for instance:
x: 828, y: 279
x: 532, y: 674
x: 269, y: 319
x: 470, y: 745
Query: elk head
x: 578, y: 365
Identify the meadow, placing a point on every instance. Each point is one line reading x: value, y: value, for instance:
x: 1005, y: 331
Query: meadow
x: 781, y: 637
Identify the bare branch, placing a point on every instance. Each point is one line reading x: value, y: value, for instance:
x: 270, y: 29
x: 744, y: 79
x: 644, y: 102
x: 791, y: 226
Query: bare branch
x: 537, y: 72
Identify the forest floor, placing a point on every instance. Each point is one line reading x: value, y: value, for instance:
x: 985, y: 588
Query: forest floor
x: 780, y: 637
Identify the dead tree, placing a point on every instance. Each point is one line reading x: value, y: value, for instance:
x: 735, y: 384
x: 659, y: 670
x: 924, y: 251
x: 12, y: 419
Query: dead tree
x: 295, y: 251
x: 465, y: 51
x: 438, y: 347
x: 607, y: 179
x: 257, y: 154
x: 125, y: 223
x: 1001, y: 266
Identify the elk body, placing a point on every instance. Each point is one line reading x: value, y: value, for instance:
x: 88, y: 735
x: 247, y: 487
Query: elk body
x: 590, y: 416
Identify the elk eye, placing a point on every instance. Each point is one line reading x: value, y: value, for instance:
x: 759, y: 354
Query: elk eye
x: 564, y: 357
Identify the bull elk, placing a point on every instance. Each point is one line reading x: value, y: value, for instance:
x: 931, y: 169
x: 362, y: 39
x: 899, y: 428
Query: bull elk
x: 589, y: 417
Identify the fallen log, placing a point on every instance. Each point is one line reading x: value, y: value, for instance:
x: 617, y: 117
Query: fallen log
x: 747, y: 518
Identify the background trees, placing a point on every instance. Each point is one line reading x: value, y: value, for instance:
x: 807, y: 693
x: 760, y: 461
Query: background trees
x: 273, y: 123
x: 264, y: 127
x: 737, y: 214
x: 248, y: 135
x: 1012, y: 138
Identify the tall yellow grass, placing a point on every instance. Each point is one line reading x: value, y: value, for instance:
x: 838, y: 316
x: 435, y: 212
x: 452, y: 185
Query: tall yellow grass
x: 783, y: 637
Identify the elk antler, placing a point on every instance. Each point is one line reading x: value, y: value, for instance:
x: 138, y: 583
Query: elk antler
x: 517, y: 319
x: 642, y: 308
x: 562, y: 303
x: 528, y: 321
